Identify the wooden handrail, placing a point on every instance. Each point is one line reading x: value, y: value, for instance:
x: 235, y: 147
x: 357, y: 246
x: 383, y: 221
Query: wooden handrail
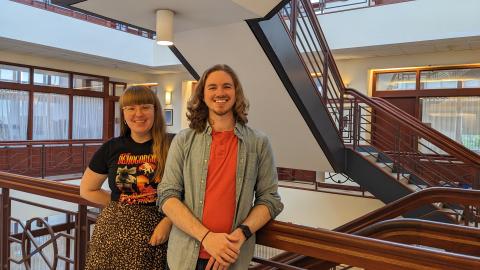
x: 450, y: 237
x: 410, y: 202
x: 42, y: 187
x: 359, y: 251
x: 445, y: 143
x: 398, y: 208
x: 32, y: 142
x: 321, y: 244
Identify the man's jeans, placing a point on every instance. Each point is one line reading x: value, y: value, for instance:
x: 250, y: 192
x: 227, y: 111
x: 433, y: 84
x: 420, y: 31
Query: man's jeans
x: 201, y: 264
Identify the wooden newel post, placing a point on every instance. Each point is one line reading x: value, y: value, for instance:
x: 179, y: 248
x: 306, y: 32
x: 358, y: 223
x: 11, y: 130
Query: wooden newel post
x: 5, y: 229
x: 81, y: 237
x: 476, y: 179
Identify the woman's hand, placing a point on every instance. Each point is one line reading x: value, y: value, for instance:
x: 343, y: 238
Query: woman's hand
x: 161, y: 232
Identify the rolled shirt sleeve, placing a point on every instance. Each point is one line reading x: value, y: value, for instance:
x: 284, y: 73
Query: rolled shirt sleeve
x: 266, y: 191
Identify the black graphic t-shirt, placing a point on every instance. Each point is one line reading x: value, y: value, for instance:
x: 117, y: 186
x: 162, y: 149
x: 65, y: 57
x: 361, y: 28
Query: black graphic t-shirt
x: 130, y: 167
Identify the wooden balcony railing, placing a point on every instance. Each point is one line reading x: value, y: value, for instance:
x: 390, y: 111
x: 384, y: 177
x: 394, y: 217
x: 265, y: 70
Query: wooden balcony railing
x: 320, y: 244
x: 455, y: 196
x: 331, y: 6
x: 47, y: 158
x: 106, y: 22
x: 448, y: 237
x: 73, y: 233
x: 384, y: 217
x: 356, y: 251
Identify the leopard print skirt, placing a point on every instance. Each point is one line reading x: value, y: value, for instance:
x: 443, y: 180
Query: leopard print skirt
x: 120, y: 239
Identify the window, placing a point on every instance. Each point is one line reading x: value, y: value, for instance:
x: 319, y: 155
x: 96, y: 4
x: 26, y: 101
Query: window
x: 396, y: 81
x: 13, y: 115
x: 119, y: 88
x: 55, y: 104
x: 116, y: 122
x: 87, y: 83
x: 50, y: 78
x: 87, y: 118
x: 450, y: 79
x: 50, y: 116
x: 455, y: 117
x: 14, y: 74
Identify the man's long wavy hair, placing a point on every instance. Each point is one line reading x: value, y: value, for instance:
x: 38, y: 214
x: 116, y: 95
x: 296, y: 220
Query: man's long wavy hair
x: 136, y: 95
x: 197, y: 109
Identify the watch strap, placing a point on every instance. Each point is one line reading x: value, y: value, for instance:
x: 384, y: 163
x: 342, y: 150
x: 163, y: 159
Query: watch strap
x: 245, y: 230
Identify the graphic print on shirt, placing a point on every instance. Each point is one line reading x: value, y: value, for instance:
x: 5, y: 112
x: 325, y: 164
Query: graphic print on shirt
x: 134, y: 178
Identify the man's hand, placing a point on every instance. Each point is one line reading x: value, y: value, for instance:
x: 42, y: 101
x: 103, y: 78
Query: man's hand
x: 237, y: 239
x: 223, y: 250
x: 161, y: 232
x: 214, y: 265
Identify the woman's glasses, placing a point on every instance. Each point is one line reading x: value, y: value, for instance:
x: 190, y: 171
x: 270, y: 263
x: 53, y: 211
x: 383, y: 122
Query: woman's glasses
x: 144, y: 108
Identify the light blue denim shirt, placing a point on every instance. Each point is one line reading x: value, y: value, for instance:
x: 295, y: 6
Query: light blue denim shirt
x: 185, y: 178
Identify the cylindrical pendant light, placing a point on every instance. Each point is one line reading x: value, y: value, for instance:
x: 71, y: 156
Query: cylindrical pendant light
x: 164, y: 27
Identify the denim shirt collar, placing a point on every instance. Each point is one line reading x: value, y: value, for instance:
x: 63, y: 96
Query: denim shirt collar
x: 238, y: 130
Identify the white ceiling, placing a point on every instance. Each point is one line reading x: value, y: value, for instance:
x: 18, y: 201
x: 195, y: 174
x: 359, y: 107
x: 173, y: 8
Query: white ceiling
x: 15, y: 46
x: 421, y: 47
x: 189, y: 14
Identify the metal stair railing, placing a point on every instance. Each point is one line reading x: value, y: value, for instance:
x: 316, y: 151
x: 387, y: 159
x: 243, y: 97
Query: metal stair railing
x: 302, y: 25
x: 411, y: 147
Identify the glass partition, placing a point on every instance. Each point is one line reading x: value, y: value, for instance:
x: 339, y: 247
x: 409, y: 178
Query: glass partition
x: 14, y: 74
x: 450, y: 79
x: 50, y: 78
x: 91, y: 83
x: 116, y: 122
x: 396, y: 81
x: 119, y: 88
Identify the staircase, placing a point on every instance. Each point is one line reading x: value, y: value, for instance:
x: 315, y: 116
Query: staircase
x: 386, y: 151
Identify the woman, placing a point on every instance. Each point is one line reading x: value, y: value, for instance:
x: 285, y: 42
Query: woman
x: 130, y: 233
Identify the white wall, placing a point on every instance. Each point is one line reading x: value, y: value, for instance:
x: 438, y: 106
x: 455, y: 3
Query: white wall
x: 411, y: 21
x: 25, y: 212
x: 54, y: 30
x: 323, y: 210
x: 271, y: 108
x: 173, y: 83
x: 356, y: 72
x: 307, y: 208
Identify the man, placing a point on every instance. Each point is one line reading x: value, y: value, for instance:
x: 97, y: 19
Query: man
x: 220, y: 181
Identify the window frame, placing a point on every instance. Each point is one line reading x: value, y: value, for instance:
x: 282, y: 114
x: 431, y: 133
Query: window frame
x: 32, y: 88
x: 418, y: 92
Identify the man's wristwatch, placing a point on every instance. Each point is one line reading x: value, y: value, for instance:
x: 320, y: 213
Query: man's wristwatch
x: 245, y: 230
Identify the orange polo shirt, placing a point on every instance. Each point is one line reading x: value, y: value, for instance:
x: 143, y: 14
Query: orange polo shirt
x: 219, y: 202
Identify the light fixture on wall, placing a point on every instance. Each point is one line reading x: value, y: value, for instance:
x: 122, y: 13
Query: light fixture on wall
x: 164, y: 27
x: 168, y: 98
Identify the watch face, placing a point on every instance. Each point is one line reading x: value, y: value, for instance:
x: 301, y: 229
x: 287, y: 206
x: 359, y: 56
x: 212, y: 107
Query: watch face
x: 246, y: 231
